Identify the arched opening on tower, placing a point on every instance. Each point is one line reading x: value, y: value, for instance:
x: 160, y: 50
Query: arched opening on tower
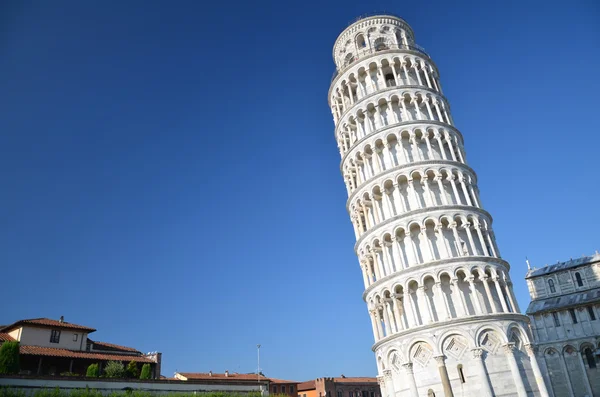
x: 380, y: 44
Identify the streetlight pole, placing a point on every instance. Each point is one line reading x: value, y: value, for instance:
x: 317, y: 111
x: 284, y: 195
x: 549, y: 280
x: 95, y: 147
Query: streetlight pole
x: 258, y: 369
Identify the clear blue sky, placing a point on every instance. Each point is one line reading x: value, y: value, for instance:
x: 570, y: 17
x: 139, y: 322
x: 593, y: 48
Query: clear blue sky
x: 170, y: 175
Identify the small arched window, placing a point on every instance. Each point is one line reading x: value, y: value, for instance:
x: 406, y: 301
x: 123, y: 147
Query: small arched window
x: 578, y: 279
x: 589, y: 356
x: 380, y: 44
x: 551, y: 286
x: 461, y: 374
x: 360, y: 41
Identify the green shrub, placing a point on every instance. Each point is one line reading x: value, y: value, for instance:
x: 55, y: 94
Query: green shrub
x: 92, y: 371
x: 9, y: 358
x: 146, y: 373
x: 114, y: 369
x: 132, y: 370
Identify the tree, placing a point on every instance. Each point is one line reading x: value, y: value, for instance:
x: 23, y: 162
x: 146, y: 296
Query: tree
x: 132, y: 370
x: 92, y: 371
x: 145, y: 371
x: 114, y: 369
x: 9, y: 358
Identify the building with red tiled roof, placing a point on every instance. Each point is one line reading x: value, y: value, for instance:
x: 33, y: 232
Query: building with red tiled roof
x: 342, y: 386
x: 51, y: 347
x: 274, y: 385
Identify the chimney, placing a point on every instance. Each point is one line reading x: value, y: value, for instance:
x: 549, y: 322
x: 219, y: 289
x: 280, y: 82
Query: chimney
x: 343, y: 376
x: 209, y: 373
x: 226, y: 373
x: 62, y: 319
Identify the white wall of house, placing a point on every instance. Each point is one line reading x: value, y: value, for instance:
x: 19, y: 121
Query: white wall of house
x: 69, y: 339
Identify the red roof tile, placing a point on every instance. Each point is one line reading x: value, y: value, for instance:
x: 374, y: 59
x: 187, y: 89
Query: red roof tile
x: 6, y: 337
x: 306, y: 385
x: 274, y: 380
x: 112, y: 346
x: 54, y: 352
x: 355, y: 379
x: 232, y: 376
x: 47, y: 322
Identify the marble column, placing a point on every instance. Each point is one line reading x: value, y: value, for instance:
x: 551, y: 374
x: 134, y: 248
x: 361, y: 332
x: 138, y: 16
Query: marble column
x: 389, y: 383
x: 486, y: 389
x: 410, y: 376
x: 539, y: 378
x: 509, y: 350
x: 441, y: 363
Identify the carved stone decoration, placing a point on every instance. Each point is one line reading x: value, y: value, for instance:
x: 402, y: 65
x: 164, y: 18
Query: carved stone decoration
x: 455, y: 347
x: 422, y: 353
x: 490, y: 342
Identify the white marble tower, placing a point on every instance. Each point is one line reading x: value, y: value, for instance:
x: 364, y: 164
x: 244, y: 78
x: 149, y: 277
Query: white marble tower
x: 440, y: 299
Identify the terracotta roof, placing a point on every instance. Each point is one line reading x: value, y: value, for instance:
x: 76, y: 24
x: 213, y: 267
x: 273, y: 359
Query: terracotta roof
x: 6, y: 337
x: 47, y: 322
x: 306, y: 385
x: 275, y: 380
x: 112, y: 346
x: 54, y: 352
x: 356, y: 379
x: 232, y: 376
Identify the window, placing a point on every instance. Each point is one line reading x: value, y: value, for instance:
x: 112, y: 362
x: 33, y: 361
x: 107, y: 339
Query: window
x: 589, y: 356
x: 283, y: 389
x: 578, y: 279
x: 591, y: 313
x: 551, y: 286
x: 339, y: 394
x: 372, y: 394
x: 461, y: 374
x: 291, y: 388
x: 74, y: 337
x: 365, y: 393
x: 573, y: 316
x: 274, y: 389
x: 556, y: 319
x: 55, y: 336
x: 350, y: 394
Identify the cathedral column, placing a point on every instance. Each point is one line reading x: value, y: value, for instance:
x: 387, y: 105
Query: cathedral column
x: 583, y: 370
x: 382, y: 387
x: 424, y: 69
x: 423, y: 304
x: 443, y: 304
x: 484, y: 280
x: 396, y: 308
x: 391, y: 263
x: 467, y: 227
x: 428, y: 144
x: 451, y: 147
x: 416, y: 68
x: 406, y: 73
x: 451, y: 178
x: 481, y: 239
x: 440, y: 235
x: 380, y: 331
x: 408, y: 368
x: 464, y: 189
x: 396, y: 254
x: 461, y: 297
x: 429, y: 110
x: 438, y: 137
x: 411, y: 189
x: 511, y: 297
x: 365, y: 276
x: 500, y: 294
x: 509, y: 349
x: 389, y: 382
x: 438, y: 179
x: 417, y: 109
x: 374, y: 324
x: 398, y: 198
x: 413, y: 249
x: 486, y: 389
x: 476, y: 301
x: 475, y: 198
x: 441, y: 363
x: 388, y: 306
x: 404, y: 111
x: 427, y: 243
x: 456, y: 238
x: 428, y: 192
x: 491, y: 243
x: 539, y: 378
x: 565, y: 371
x: 386, y: 320
x: 437, y: 108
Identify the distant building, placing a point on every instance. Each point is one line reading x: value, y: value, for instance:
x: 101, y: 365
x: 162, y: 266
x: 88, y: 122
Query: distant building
x: 52, y: 347
x: 565, y: 320
x: 275, y: 386
x: 340, y: 387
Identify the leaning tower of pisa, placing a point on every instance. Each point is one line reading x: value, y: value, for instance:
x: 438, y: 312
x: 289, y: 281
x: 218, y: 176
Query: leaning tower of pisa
x: 439, y: 295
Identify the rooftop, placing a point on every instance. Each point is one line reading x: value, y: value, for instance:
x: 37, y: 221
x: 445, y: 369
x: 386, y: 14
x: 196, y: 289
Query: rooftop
x: 230, y: 376
x: 564, y: 301
x: 56, y: 352
x: 560, y: 266
x: 46, y: 322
